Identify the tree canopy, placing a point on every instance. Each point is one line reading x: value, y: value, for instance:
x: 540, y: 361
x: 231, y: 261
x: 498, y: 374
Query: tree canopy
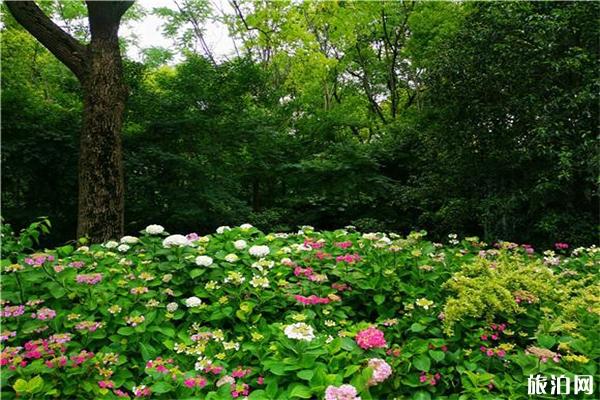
x: 476, y: 118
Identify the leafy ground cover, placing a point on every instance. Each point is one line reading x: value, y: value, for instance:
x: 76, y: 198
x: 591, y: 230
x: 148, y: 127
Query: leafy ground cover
x: 309, y: 315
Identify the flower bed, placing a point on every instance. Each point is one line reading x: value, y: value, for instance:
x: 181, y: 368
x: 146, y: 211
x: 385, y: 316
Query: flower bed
x: 312, y: 315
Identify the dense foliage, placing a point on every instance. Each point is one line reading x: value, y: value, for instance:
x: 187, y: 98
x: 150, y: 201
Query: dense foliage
x: 478, y: 118
x: 293, y: 316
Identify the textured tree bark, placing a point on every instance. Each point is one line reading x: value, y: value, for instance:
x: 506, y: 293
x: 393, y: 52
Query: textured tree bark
x: 99, y: 69
x: 101, y: 183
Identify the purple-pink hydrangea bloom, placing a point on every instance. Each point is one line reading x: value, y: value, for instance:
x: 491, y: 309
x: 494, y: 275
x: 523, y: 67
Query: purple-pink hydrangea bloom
x: 381, y: 370
x: 344, y: 392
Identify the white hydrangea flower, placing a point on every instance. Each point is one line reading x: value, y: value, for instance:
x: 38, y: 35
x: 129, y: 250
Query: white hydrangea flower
x: 370, y: 236
x: 234, y: 277
x: 204, y: 261
x: 176, y: 241
x: 124, y: 261
x: 193, y: 301
x: 111, y: 244
x: 226, y: 380
x: 246, y: 227
x: 231, y: 346
x: 222, y: 229
x: 259, y: 251
x: 303, y: 247
x: 172, y: 307
x: 123, y: 248
x: 83, y: 249
x: 259, y: 281
x: 154, y: 229
x: 299, y: 331
x: 129, y: 240
x: 231, y: 258
x: 240, y: 244
x: 262, y: 263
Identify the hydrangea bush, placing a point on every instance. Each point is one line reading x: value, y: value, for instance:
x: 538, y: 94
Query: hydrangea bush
x: 310, y: 315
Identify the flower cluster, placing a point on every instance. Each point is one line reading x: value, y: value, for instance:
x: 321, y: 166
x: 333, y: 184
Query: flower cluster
x: 88, y: 279
x: 370, y: 338
x: 299, y: 331
x: 344, y: 392
x: 312, y: 299
x: 348, y: 258
x: 381, y: 371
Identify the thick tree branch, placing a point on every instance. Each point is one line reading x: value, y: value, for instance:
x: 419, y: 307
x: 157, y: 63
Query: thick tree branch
x: 105, y: 17
x: 66, y: 48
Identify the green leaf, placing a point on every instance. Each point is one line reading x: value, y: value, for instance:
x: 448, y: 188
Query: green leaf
x: 125, y: 331
x: 147, y: 351
x: 276, y: 367
x: 56, y: 290
x: 546, y: 341
x: 301, y: 391
x: 416, y: 327
x: 351, y: 369
x: 65, y: 251
x: 161, y: 387
x: 349, y: 344
x: 21, y: 386
x: 35, y: 384
x: 272, y: 389
x: 258, y: 395
x: 437, y: 355
x: 422, y: 395
x: 306, y: 374
x: 196, y: 272
x: 241, y: 315
x: 167, y: 331
x: 422, y: 363
x: 379, y: 299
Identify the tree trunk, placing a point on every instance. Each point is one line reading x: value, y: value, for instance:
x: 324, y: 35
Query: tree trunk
x: 101, y: 187
x: 99, y: 70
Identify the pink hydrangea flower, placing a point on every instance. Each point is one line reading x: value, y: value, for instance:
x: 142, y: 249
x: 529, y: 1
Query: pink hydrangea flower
x: 44, y: 314
x: 196, y: 381
x: 314, y: 245
x: 344, y: 392
x: 141, y: 391
x: 120, y: 393
x: 370, y: 338
x: 106, y: 384
x: 238, y: 390
x: 240, y: 372
x: 312, y: 299
x: 381, y: 370
x: 77, y: 264
x: 88, y: 279
x: 5, y: 335
x: 348, y: 258
x: 12, y: 311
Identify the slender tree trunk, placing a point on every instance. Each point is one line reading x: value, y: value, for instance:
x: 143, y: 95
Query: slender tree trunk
x: 101, y: 187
